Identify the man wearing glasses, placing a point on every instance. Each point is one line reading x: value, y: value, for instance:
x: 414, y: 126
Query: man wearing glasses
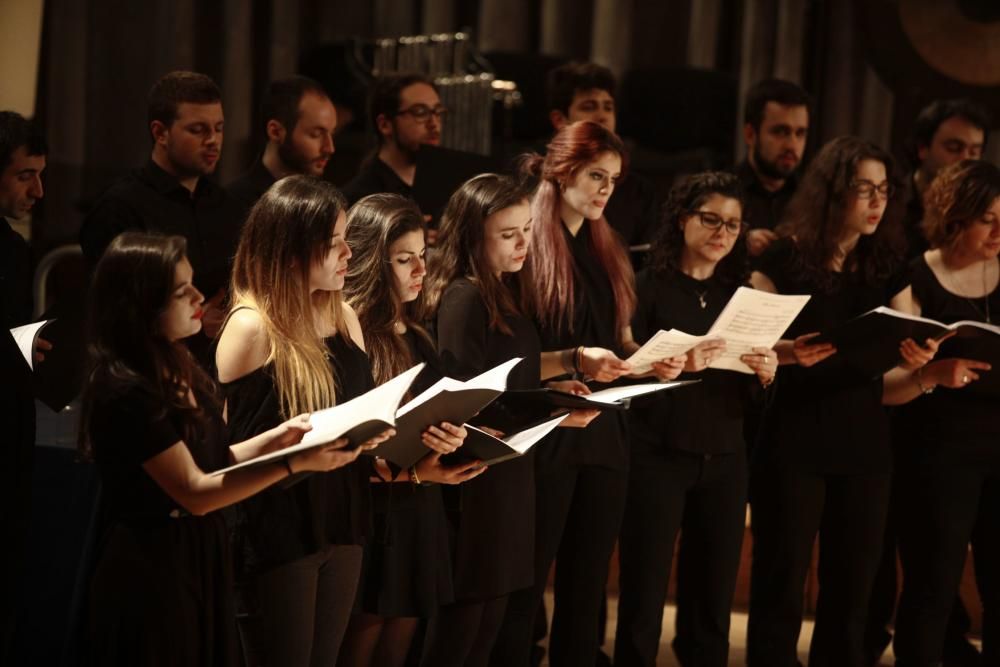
x: 406, y: 113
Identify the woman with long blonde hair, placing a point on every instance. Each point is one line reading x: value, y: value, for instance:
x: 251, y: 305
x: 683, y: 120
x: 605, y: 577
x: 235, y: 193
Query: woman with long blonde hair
x: 291, y: 345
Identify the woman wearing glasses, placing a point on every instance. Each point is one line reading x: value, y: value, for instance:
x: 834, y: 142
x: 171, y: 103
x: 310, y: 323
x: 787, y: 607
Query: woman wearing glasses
x: 688, y: 458
x: 823, y: 459
x: 948, y: 472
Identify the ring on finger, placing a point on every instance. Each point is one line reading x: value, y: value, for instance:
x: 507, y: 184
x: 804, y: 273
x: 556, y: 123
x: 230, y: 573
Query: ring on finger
x: 965, y: 379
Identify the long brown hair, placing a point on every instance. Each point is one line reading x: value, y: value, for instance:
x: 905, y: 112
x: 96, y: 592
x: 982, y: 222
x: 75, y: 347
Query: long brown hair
x: 462, y: 251
x: 816, y: 215
x: 288, y: 231
x: 373, y: 225
x: 131, y: 288
x: 549, y: 267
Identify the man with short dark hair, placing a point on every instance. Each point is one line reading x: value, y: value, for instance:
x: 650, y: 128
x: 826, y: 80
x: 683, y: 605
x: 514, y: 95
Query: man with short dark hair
x: 406, y: 113
x: 944, y: 132
x: 22, y: 161
x: 775, y: 130
x: 299, y: 123
x: 171, y: 193
x: 580, y: 91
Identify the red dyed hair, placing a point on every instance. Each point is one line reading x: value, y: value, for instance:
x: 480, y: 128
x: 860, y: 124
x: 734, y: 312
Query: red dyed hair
x: 549, y: 268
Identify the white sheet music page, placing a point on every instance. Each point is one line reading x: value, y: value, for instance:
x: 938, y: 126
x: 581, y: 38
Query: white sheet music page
x: 663, y: 345
x: 753, y: 318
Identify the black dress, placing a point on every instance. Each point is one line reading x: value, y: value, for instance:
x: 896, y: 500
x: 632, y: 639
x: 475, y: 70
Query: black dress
x: 948, y: 488
x: 494, y: 534
x: 821, y: 465
x: 408, y: 560
x: 688, y: 465
x: 161, y: 593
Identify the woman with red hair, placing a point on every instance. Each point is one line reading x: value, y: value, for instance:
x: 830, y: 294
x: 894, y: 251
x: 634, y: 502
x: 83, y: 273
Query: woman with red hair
x: 582, y: 298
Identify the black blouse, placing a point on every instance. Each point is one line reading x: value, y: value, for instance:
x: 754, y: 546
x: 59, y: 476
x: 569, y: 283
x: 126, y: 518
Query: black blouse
x: 497, y: 507
x: 291, y: 520
x: 828, y: 417
x: 129, y: 426
x: 603, y: 442
x: 949, y: 425
x: 706, y: 418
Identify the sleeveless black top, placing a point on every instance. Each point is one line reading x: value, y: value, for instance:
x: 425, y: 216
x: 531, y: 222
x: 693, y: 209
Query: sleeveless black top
x: 950, y: 425
x: 300, y: 516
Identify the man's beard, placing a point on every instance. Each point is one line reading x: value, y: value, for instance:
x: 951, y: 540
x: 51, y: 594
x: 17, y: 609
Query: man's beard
x: 293, y: 159
x: 770, y: 169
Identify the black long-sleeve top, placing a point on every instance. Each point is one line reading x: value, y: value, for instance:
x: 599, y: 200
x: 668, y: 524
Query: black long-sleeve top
x: 705, y: 418
x: 592, y: 324
x: 151, y: 200
x: 828, y: 417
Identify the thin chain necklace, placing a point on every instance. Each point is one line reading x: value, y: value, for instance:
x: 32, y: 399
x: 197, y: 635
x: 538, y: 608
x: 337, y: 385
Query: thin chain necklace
x: 986, y: 299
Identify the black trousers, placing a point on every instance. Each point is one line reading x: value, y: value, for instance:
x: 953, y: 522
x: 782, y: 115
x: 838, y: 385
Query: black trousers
x: 462, y: 634
x: 882, y: 607
x: 788, y: 507
x: 578, y: 516
x: 705, y: 499
x: 948, y: 507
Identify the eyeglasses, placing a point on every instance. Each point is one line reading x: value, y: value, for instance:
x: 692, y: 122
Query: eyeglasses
x: 421, y: 112
x: 713, y: 221
x: 867, y: 189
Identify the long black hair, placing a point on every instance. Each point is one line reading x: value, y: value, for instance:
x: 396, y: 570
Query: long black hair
x: 131, y: 288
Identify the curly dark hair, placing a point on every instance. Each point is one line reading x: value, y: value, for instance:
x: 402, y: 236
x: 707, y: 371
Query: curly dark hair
x: 689, y: 193
x: 815, y: 217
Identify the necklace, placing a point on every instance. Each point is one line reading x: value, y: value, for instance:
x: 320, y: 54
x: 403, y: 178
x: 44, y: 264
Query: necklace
x: 701, y: 299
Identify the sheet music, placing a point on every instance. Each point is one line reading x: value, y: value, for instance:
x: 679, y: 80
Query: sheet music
x: 663, y: 345
x: 25, y: 337
x: 753, y: 318
x: 615, y: 394
x: 495, y: 378
x: 524, y: 440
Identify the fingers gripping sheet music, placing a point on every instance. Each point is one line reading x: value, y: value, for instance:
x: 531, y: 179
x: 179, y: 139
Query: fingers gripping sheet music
x: 752, y: 318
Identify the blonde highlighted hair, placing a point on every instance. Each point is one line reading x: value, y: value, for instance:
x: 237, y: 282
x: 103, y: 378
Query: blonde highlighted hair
x: 288, y: 230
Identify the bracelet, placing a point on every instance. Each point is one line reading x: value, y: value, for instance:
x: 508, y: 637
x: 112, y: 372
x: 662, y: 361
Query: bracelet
x: 413, y: 476
x: 919, y: 376
x: 288, y: 466
x: 578, y: 360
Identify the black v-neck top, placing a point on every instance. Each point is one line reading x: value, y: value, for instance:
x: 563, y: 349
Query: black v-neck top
x: 828, y: 417
x: 950, y: 425
x: 706, y: 418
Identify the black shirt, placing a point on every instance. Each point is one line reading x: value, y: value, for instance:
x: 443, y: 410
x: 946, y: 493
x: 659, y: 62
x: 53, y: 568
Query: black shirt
x: 497, y: 507
x: 16, y: 301
x: 949, y: 425
x: 913, y: 216
x: 706, y: 418
x: 764, y: 209
x: 375, y: 176
x: 249, y: 187
x: 592, y: 324
x: 633, y: 211
x: 829, y: 417
x: 291, y: 520
x: 151, y: 200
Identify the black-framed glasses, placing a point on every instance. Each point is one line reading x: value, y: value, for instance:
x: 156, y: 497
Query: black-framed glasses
x: 713, y: 221
x: 421, y: 112
x: 867, y: 189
